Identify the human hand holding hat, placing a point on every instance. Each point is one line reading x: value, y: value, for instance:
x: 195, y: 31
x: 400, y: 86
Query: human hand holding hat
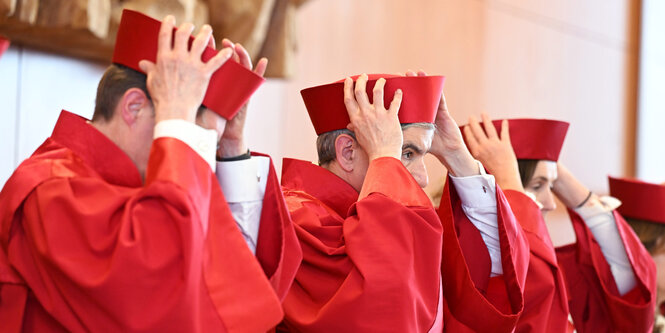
x: 494, y: 151
x: 570, y: 190
x: 447, y: 143
x: 178, y: 80
x: 377, y: 130
x: 232, y: 142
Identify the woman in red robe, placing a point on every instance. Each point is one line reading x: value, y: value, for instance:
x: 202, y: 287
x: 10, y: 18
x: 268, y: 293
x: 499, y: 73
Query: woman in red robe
x: 609, y: 277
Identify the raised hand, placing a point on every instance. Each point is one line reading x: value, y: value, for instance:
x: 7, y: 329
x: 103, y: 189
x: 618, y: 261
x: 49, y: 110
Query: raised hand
x: 494, y: 152
x: 232, y: 142
x: 447, y: 143
x: 177, y: 82
x: 377, y: 130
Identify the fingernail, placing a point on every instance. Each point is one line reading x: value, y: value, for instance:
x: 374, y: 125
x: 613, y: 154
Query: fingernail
x: 170, y: 19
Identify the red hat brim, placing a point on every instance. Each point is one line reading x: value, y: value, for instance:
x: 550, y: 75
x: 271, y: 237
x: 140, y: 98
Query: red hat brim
x: 639, y: 200
x: 421, y: 97
x: 230, y: 87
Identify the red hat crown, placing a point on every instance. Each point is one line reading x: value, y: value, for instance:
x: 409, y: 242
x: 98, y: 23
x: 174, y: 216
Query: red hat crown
x: 230, y: 87
x: 421, y: 96
x: 536, y: 139
x: 639, y: 200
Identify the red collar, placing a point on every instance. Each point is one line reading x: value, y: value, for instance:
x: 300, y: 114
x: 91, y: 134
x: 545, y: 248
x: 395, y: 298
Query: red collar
x: 320, y: 183
x: 96, y: 150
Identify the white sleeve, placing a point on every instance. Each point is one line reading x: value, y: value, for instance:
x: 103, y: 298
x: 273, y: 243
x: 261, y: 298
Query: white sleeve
x: 600, y: 220
x: 201, y: 140
x: 244, y: 185
x: 478, y: 195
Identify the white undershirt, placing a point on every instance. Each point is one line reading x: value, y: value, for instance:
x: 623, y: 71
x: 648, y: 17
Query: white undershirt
x: 478, y: 196
x: 598, y: 216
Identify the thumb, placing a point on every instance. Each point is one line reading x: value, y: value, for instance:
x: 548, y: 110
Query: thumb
x: 146, y: 66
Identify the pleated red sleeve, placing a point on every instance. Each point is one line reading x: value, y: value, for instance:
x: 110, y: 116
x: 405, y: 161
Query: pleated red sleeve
x: 372, y: 268
x: 545, y: 299
x: 474, y: 301
x: 162, y: 257
x: 594, y: 300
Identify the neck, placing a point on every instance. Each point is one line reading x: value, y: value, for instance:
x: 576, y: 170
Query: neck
x: 113, y: 131
x: 347, y: 176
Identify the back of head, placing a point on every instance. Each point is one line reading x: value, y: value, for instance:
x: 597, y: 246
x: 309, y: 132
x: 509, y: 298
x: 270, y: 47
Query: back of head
x: 117, y: 79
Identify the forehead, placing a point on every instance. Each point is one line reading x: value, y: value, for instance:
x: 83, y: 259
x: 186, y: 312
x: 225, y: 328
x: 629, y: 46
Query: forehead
x: 546, y: 169
x: 420, y: 136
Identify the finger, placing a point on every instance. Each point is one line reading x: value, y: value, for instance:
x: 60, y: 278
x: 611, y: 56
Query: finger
x: 245, y: 59
x: 471, y: 141
x: 218, y: 60
x: 182, y: 37
x: 442, y: 104
x: 349, y: 97
x: 505, y: 131
x: 261, y: 67
x: 227, y: 43
x: 212, y: 43
x: 410, y: 73
x: 377, y: 93
x: 146, y: 66
x: 396, y: 102
x: 489, y: 127
x: 476, y: 130
x: 421, y: 73
x: 361, y: 92
x: 165, y: 35
x: 200, y: 42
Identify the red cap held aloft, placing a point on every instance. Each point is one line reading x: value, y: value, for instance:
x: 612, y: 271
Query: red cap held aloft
x: 4, y: 45
x: 421, y: 96
x: 639, y: 200
x: 536, y: 139
x: 230, y: 86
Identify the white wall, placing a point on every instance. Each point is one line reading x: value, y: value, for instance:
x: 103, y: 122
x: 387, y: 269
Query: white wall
x: 651, y: 113
x: 35, y: 86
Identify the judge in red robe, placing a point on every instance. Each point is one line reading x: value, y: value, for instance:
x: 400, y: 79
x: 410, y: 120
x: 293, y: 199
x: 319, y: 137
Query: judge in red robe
x: 593, y: 291
x: 641, y: 206
x: 104, y: 229
x: 376, y: 255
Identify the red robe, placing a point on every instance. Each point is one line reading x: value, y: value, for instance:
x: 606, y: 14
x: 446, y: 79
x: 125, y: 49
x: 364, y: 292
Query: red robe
x: 85, y: 246
x: 474, y: 301
x: 372, y: 261
x: 545, y: 299
x: 594, y: 300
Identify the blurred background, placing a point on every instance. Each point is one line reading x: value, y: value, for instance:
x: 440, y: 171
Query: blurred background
x: 597, y: 64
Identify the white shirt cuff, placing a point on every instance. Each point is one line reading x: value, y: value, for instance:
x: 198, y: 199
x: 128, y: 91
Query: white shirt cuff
x: 201, y: 140
x: 476, y: 191
x: 244, y: 180
x: 605, y: 204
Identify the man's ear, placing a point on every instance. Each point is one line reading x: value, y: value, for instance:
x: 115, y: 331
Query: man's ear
x: 129, y: 105
x: 345, y: 152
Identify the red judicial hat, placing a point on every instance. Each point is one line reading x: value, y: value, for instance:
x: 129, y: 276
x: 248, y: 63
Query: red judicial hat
x: 4, y: 45
x: 639, y: 200
x: 536, y: 139
x: 230, y: 86
x: 421, y: 96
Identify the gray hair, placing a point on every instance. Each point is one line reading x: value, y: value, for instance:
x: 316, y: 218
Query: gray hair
x: 325, y: 143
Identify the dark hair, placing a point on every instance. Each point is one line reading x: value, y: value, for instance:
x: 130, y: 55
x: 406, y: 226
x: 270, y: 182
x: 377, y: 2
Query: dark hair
x: 116, y: 80
x: 325, y: 145
x: 651, y: 234
x: 526, y: 167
